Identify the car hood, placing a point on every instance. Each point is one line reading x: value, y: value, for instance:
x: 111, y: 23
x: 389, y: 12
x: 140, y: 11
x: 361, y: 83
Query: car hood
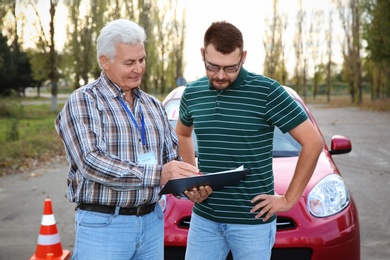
x: 284, y: 167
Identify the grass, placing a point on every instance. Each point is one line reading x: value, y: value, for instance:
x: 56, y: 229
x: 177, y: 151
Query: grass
x: 28, y: 137
x: 345, y: 101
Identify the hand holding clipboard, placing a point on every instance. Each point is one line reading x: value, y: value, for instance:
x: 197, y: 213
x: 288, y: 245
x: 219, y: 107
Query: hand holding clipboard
x: 216, y: 181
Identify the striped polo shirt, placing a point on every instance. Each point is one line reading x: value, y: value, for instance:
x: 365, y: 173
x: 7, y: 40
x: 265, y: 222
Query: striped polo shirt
x: 235, y: 127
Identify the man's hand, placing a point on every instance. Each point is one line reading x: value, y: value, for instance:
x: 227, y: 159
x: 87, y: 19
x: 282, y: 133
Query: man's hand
x: 198, y: 194
x: 177, y: 169
x: 269, y: 205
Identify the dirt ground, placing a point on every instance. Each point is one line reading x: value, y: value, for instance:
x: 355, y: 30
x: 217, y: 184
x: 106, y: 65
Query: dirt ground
x: 366, y: 170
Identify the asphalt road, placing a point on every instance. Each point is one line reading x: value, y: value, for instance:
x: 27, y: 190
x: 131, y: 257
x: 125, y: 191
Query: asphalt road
x: 366, y: 170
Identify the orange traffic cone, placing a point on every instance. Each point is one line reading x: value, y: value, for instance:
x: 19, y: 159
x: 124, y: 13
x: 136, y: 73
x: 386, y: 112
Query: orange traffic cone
x: 49, y: 244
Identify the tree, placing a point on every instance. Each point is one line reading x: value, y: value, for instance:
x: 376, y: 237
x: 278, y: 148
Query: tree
x: 350, y: 17
x: 176, y: 61
x: 315, y: 43
x: 169, y: 46
x: 5, y: 57
x: 162, y: 20
x: 15, y: 76
x: 15, y: 70
x: 39, y: 63
x: 53, y: 74
x: 274, y: 61
x: 146, y: 12
x: 329, y: 44
x: 376, y: 32
x: 300, y: 61
x: 46, y: 50
x: 378, y: 76
x: 164, y: 46
x: 80, y: 47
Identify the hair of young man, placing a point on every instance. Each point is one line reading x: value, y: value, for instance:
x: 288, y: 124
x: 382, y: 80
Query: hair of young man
x: 224, y: 36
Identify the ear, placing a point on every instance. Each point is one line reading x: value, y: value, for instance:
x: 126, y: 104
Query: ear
x: 243, y: 57
x: 202, y: 53
x: 105, y: 62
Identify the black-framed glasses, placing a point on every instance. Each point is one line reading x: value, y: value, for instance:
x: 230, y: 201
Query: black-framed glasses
x: 227, y: 69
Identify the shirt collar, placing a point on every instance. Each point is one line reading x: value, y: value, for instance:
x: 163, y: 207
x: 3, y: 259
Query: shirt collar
x: 115, y: 91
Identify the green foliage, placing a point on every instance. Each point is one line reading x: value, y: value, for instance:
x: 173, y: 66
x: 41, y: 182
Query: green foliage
x: 5, y: 57
x: 12, y: 133
x: 39, y: 64
x: 11, y: 111
x: 377, y: 30
x: 37, y: 140
x: 15, y: 69
x: 166, y: 29
x: 164, y: 46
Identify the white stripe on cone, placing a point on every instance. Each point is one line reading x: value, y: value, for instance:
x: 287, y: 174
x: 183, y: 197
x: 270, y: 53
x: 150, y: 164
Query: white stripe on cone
x: 47, y: 240
x: 48, y: 220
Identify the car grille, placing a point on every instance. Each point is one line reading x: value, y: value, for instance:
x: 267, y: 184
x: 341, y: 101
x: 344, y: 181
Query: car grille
x: 282, y: 223
x: 178, y: 253
x: 291, y: 253
x: 174, y: 253
x: 184, y: 222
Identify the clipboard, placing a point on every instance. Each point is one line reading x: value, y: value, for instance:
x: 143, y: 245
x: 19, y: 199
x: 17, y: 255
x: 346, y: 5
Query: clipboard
x: 214, y: 180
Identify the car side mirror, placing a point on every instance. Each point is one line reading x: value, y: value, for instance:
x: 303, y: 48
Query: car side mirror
x: 340, y: 144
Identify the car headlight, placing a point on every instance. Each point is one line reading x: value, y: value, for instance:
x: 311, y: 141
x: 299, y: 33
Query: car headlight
x: 329, y: 196
x: 163, y: 202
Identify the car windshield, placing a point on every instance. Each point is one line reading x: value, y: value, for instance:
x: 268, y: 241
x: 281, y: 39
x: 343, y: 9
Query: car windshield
x: 284, y: 145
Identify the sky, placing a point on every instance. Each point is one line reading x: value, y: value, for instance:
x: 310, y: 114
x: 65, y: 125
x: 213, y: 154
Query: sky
x: 246, y: 15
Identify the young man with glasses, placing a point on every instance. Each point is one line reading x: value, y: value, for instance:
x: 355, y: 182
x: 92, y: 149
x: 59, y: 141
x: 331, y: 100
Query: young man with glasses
x: 233, y: 113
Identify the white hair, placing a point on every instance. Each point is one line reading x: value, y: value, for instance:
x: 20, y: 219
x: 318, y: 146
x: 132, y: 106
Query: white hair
x: 115, y: 32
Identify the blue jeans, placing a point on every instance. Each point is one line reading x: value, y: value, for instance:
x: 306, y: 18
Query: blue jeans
x: 213, y: 240
x: 117, y: 237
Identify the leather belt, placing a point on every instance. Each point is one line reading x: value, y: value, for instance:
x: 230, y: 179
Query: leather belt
x: 137, y: 211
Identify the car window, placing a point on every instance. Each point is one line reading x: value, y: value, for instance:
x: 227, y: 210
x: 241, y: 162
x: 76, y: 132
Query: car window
x: 284, y: 145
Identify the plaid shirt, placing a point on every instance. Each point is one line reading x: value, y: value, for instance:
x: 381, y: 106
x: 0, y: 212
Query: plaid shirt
x: 103, y: 145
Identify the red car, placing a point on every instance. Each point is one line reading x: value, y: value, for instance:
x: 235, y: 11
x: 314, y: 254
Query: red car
x: 323, y: 225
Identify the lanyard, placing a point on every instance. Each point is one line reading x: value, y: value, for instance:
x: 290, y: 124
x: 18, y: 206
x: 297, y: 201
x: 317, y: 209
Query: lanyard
x: 143, y: 133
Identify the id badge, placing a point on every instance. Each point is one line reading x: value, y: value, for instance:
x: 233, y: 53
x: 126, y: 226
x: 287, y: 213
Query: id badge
x: 147, y: 158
